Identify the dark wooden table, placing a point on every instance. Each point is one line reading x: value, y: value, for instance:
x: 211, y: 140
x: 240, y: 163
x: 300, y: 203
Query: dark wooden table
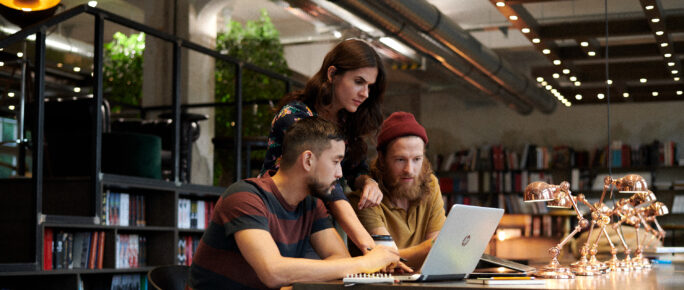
x: 659, y: 277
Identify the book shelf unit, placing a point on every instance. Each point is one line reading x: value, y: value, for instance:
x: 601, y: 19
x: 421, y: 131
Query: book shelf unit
x: 22, y: 265
x: 492, y: 195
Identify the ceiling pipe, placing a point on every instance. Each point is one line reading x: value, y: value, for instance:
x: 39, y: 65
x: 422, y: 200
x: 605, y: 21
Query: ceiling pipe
x: 429, y: 20
x: 448, y: 59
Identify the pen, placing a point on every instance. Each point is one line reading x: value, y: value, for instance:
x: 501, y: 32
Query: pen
x: 400, y: 258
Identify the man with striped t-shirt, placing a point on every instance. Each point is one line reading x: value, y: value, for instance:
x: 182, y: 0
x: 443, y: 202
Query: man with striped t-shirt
x: 261, y: 226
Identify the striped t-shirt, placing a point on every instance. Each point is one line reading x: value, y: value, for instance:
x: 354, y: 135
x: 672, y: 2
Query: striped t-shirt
x: 253, y: 203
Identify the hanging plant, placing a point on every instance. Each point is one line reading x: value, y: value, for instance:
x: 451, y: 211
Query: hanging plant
x: 257, y: 42
x: 122, y: 70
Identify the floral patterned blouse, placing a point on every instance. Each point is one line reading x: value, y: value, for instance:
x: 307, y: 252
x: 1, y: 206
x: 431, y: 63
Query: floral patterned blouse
x: 290, y: 113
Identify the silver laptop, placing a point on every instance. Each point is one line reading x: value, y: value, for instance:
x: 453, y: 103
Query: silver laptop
x: 459, y: 245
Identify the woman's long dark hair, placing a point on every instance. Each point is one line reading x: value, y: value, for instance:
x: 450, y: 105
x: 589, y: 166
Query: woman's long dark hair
x: 348, y: 55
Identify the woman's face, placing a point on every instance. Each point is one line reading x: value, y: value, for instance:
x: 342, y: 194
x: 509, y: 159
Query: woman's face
x: 351, y: 89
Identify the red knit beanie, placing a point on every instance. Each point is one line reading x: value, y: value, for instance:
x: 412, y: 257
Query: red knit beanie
x: 400, y: 124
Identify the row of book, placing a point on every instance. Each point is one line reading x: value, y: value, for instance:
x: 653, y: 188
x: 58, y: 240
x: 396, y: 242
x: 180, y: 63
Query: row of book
x: 187, y: 246
x: 194, y: 214
x: 123, y: 209
x: 498, y: 158
x: 73, y: 250
x: 488, y: 181
x: 129, y: 282
x: 131, y: 251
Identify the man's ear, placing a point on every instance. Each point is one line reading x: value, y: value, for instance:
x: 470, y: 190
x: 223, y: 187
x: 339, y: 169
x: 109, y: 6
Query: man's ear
x: 308, y: 159
x: 331, y: 72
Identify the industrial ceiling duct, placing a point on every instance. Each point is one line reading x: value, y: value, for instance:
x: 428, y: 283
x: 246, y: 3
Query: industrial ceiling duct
x: 430, y: 20
x: 448, y: 59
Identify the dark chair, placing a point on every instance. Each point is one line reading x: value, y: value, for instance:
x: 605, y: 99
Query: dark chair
x: 169, y: 277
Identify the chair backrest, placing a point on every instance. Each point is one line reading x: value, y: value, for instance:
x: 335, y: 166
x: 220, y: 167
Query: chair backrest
x: 169, y: 277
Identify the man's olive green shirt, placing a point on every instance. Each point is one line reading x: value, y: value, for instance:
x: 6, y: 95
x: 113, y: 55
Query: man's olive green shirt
x: 408, y: 228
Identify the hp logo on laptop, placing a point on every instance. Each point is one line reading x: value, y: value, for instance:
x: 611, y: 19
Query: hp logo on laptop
x: 465, y: 240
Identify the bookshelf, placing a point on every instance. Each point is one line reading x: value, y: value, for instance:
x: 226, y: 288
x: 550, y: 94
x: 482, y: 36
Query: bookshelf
x: 24, y: 261
x: 495, y: 176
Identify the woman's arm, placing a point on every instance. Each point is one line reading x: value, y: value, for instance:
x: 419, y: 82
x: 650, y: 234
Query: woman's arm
x: 371, y: 195
x: 344, y: 214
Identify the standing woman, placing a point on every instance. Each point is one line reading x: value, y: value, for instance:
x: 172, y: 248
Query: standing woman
x: 347, y: 91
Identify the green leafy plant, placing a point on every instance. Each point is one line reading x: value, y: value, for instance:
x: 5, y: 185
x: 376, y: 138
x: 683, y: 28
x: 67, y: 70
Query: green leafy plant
x: 257, y: 42
x: 122, y: 69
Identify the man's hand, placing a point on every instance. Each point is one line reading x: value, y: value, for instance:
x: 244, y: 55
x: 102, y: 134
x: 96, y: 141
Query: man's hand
x: 380, y: 258
x: 371, y: 196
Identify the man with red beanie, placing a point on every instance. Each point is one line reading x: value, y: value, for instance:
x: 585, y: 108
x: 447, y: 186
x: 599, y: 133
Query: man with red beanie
x: 412, y: 211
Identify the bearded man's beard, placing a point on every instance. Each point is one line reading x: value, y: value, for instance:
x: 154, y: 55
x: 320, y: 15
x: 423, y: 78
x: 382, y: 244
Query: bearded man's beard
x: 318, y: 189
x: 411, y: 192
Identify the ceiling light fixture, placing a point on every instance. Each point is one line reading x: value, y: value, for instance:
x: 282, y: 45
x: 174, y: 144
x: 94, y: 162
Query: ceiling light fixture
x: 536, y: 40
x: 513, y: 17
x: 674, y: 72
x: 556, y: 61
x: 676, y: 79
x: 578, y: 97
x: 546, y: 51
x: 566, y: 71
x: 10, y: 94
x: 548, y: 87
x: 540, y: 79
x: 573, y: 78
x: 664, y: 44
x: 92, y: 3
x: 577, y: 84
x: 591, y: 53
x: 609, y: 82
x: 500, y: 4
x: 556, y: 75
x: 655, y: 20
x: 584, y: 44
x: 600, y: 96
x: 670, y: 64
x: 655, y: 94
x: 649, y: 7
x: 525, y: 30
x: 679, y: 93
x: 643, y: 80
x: 659, y: 32
x: 544, y: 83
x: 668, y: 55
x: 625, y: 95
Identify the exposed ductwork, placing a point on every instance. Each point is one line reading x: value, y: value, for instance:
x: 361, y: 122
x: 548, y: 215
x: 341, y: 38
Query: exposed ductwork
x: 429, y: 20
x: 419, y: 41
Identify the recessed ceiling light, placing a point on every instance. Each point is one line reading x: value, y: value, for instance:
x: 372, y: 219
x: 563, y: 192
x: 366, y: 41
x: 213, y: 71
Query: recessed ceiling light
x: 546, y: 51
x: 649, y: 7
x: 513, y: 17
x: 77, y: 69
x: 11, y: 107
x: 659, y: 32
x: 600, y: 96
x: 544, y: 83
x: 92, y: 3
x: 643, y: 80
x: 20, y: 54
x: 591, y: 53
x: 655, y: 20
x: 625, y: 95
x: 679, y: 93
x: 664, y: 44
x: 540, y: 79
x: 536, y: 40
x: 577, y: 84
x: 584, y: 44
x: 676, y: 79
x: 77, y: 90
x: 609, y: 82
x: 578, y: 97
x: 555, y: 92
x: 10, y: 94
x: 500, y: 4
x: 548, y: 87
x: 568, y: 104
x: 525, y: 30
x: 670, y: 64
x: 556, y: 75
x: 674, y: 72
x: 566, y: 71
x: 2, y: 63
x: 668, y: 55
x: 655, y: 94
x: 573, y: 78
x: 556, y: 61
